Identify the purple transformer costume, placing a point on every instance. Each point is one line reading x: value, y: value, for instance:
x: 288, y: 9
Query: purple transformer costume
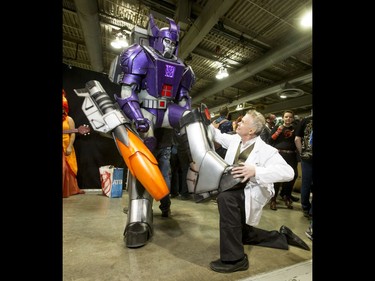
x: 155, y: 87
x: 157, y: 81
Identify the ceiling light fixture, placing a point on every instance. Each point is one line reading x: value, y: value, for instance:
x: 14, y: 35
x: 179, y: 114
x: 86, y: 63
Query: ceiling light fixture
x: 289, y: 91
x: 223, y: 72
x: 239, y: 106
x: 120, y: 41
x: 306, y: 20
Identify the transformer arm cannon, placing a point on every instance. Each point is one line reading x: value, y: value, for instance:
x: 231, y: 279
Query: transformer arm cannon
x: 105, y: 116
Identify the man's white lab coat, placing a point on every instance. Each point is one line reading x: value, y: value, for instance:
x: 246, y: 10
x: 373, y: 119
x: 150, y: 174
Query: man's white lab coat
x: 270, y: 167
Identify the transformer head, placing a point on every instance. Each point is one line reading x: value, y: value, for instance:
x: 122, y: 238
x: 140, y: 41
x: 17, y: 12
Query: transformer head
x: 164, y: 40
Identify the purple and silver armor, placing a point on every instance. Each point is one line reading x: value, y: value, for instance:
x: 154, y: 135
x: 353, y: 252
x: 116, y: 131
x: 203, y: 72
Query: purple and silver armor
x: 155, y: 94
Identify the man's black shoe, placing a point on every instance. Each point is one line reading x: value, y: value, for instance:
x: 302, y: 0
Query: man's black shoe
x: 293, y: 239
x: 219, y: 266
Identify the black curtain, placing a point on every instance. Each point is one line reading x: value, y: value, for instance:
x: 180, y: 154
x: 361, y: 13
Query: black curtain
x: 93, y: 150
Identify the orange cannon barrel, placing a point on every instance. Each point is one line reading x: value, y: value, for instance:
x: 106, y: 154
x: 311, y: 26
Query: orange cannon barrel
x: 104, y: 117
x: 143, y: 165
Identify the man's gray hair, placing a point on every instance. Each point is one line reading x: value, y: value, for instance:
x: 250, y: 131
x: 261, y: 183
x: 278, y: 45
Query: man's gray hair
x: 259, y: 120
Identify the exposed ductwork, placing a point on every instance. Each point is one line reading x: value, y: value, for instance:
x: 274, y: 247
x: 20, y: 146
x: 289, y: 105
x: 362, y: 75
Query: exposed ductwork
x: 88, y: 14
x: 274, y: 56
x: 300, y: 80
x: 203, y: 25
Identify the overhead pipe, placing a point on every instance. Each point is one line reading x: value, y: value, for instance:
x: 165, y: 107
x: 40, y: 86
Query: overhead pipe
x: 271, y: 58
x: 88, y: 15
x: 296, y: 81
x: 303, y: 101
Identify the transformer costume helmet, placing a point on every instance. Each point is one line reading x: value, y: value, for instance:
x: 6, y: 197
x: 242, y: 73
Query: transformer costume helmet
x: 164, y: 40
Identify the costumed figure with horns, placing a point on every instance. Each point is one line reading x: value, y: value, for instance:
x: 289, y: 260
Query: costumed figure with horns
x: 155, y: 87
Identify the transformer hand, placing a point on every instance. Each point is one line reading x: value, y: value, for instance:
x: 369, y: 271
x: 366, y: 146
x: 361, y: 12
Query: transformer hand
x: 142, y: 124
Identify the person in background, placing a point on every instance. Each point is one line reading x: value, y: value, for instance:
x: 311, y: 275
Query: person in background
x: 235, y: 123
x: 225, y: 126
x: 224, y: 120
x: 304, y: 143
x: 240, y: 209
x: 282, y: 138
x: 179, y: 168
x: 163, y: 155
x: 297, y: 119
x: 69, y: 160
x: 266, y: 134
x: 270, y: 123
x: 175, y: 170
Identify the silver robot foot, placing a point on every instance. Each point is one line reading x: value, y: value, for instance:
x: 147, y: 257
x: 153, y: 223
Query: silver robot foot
x: 227, y: 182
x: 137, y: 234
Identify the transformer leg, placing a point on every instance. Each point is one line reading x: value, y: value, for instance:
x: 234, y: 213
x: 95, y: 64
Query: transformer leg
x: 139, y: 226
x: 207, y: 168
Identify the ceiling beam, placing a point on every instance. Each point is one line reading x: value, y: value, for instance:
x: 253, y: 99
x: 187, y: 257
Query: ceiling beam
x: 210, y: 15
x: 296, y: 81
x: 305, y: 100
x: 88, y: 15
x: 269, y: 59
x: 182, y: 14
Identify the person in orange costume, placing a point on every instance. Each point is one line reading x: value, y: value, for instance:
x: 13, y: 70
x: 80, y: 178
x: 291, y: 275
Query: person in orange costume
x: 69, y: 160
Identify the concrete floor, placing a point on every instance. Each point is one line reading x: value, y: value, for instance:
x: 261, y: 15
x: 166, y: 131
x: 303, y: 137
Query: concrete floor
x: 181, y: 248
